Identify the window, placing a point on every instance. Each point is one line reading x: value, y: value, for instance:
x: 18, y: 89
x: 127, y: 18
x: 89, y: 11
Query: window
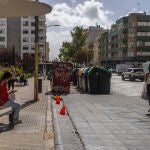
x: 131, y: 24
x: 2, y: 39
x: 2, y: 46
x: 25, y: 23
x: 147, y: 33
x: 2, y: 22
x: 140, y: 43
x: 25, y: 31
x: 140, y: 33
x: 32, y: 47
x: 147, y: 43
x: 32, y: 31
x: 25, y: 39
x: 2, y: 30
x: 137, y: 70
x: 32, y: 39
x: 41, y: 23
x: 131, y: 34
x: 32, y: 24
x: 25, y: 47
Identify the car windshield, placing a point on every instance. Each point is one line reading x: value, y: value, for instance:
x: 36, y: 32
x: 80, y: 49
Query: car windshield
x: 138, y: 70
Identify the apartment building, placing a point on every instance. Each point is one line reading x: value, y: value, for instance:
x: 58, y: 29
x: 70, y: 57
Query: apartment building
x: 128, y: 40
x: 20, y: 32
x: 3, y: 32
x: 91, y: 44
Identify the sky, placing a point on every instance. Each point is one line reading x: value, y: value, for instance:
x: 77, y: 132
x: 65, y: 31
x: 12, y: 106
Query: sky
x: 71, y: 13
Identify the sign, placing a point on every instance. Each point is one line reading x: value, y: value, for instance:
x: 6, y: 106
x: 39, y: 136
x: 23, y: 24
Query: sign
x: 61, y: 77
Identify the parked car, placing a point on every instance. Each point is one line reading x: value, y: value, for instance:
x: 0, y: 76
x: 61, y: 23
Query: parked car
x: 133, y: 73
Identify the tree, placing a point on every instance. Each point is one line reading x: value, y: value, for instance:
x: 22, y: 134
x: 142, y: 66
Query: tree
x: 66, y: 51
x: 9, y: 57
x: 75, y: 50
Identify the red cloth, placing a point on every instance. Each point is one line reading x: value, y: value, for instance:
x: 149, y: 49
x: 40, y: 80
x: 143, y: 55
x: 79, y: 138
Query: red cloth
x: 3, y: 92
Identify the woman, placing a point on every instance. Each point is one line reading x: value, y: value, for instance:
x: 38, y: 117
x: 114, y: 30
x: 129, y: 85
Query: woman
x: 4, y: 100
x: 147, y: 80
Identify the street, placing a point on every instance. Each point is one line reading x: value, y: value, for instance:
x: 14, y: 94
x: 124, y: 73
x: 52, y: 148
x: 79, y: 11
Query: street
x: 118, y: 121
x: 128, y: 88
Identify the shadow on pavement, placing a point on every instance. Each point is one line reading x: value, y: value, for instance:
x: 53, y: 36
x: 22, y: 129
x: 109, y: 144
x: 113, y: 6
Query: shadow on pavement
x: 6, y: 127
x: 26, y: 104
x: 148, y: 114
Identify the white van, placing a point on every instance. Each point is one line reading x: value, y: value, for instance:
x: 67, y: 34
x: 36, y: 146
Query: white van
x: 120, y: 68
x: 145, y: 66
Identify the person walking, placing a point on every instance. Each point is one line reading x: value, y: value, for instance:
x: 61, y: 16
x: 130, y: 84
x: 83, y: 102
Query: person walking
x: 147, y: 80
x: 12, y: 80
x: 5, y: 98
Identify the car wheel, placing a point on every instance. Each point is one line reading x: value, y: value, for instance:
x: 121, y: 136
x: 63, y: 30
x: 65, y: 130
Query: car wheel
x: 122, y: 77
x: 130, y: 78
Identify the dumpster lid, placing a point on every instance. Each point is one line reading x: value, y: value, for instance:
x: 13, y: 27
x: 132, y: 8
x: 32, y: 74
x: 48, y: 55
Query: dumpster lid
x: 100, y: 70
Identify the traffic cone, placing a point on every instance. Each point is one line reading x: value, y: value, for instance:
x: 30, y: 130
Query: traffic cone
x: 63, y: 110
x: 57, y: 99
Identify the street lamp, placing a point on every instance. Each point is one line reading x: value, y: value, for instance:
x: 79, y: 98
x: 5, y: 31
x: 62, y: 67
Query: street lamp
x: 36, y: 63
x: 52, y: 25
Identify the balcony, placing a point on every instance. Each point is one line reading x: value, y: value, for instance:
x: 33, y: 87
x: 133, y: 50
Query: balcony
x: 143, y: 29
x: 143, y: 38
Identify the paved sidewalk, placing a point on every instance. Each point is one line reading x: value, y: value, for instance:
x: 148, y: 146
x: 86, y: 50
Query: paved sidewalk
x: 36, y: 131
x: 110, y: 122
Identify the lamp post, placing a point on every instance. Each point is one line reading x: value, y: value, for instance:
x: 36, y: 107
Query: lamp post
x: 44, y: 72
x: 36, y: 98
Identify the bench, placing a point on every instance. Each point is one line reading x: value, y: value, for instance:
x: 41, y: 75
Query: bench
x: 6, y: 110
x: 20, y: 80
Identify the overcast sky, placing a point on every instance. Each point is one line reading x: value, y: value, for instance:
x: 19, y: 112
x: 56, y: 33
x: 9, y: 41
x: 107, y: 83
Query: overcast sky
x: 71, y: 13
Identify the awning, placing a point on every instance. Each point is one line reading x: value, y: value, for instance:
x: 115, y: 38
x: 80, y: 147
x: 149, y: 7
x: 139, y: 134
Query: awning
x: 22, y: 8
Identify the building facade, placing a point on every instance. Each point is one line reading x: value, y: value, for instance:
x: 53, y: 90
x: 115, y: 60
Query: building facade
x: 92, y: 35
x: 128, y: 41
x: 20, y: 33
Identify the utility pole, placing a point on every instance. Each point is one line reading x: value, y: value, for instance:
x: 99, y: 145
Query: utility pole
x: 36, y: 98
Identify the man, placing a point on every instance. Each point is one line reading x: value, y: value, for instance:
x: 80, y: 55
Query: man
x: 12, y: 80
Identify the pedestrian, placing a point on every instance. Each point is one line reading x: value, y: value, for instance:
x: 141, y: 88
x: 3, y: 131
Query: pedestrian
x: 5, y: 98
x: 12, y: 80
x: 147, y: 80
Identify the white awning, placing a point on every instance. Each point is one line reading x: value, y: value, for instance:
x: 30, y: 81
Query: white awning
x: 22, y: 8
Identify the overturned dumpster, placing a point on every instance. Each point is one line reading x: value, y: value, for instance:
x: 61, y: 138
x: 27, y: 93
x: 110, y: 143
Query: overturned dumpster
x: 99, y: 80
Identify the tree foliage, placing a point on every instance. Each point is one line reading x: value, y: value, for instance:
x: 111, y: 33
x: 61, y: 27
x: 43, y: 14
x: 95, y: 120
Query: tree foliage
x: 9, y: 57
x: 75, y: 50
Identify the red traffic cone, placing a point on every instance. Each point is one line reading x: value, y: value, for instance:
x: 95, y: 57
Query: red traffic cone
x: 63, y: 110
x: 57, y: 99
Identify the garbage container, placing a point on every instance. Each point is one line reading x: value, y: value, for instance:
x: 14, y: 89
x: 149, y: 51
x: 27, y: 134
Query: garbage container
x: 80, y: 77
x: 74, y: 76
x: 85, y: 79
x: 40, y: 85
x: 99, y: 81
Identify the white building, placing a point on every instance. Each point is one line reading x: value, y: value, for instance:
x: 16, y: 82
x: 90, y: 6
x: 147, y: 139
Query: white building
x: 3, y: 32
x: 20, y: 32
